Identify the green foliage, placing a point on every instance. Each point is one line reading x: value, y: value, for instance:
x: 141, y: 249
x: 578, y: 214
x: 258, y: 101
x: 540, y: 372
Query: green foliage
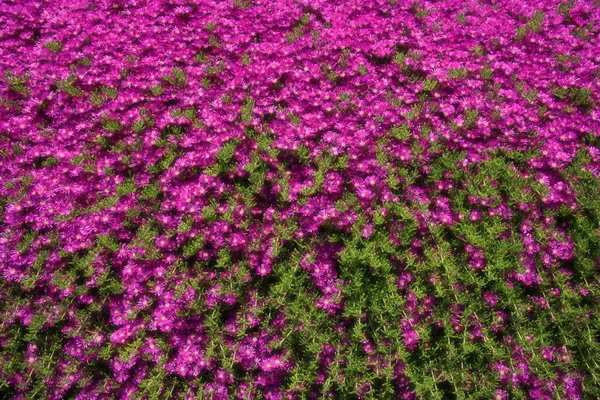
x: 150, y: 191
x: 53, y: 46
x: 176, y: 78
x: 247, y: 110
x: 418, y: 11
x: 214, y: 40
x: 50, y: 161
x: 111, y: 124
x: 486, y: 73
x: 126, y: 188
x: 245, y: 60
x: 201, y: 58
x: 298, y: 29
x: 581, y: 97
x: 96, y: 97
x: 401, y: 132
x: 143, y: 123
x: 477, y: 51
x: 470, y: 118
x: 193, y: 246
x: 585, y: 32
x: 17, y: 83
x: 109, y: 285
x: 107, y: 242
x: 534, y: 25
x: 68, y: 86
x: 225, y: 155
x: 564, y: 8
x: 214, y: 69
x: 430, y: 84
x: 157, y: 90
x: 110, y: 92
x: 457, y: 73
x: 84, y: 61
x: 578, y: 96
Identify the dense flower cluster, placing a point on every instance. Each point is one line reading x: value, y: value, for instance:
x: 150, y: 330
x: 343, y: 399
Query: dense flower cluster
x: 299, y: 199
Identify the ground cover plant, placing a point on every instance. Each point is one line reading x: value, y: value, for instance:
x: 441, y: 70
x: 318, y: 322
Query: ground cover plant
x: 299, y: 200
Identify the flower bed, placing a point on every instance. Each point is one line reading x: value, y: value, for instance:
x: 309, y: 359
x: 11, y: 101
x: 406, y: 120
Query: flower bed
x: 285, y: 200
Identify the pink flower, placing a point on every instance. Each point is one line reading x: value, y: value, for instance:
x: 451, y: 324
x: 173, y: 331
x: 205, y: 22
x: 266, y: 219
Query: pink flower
x: 367, y: 230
